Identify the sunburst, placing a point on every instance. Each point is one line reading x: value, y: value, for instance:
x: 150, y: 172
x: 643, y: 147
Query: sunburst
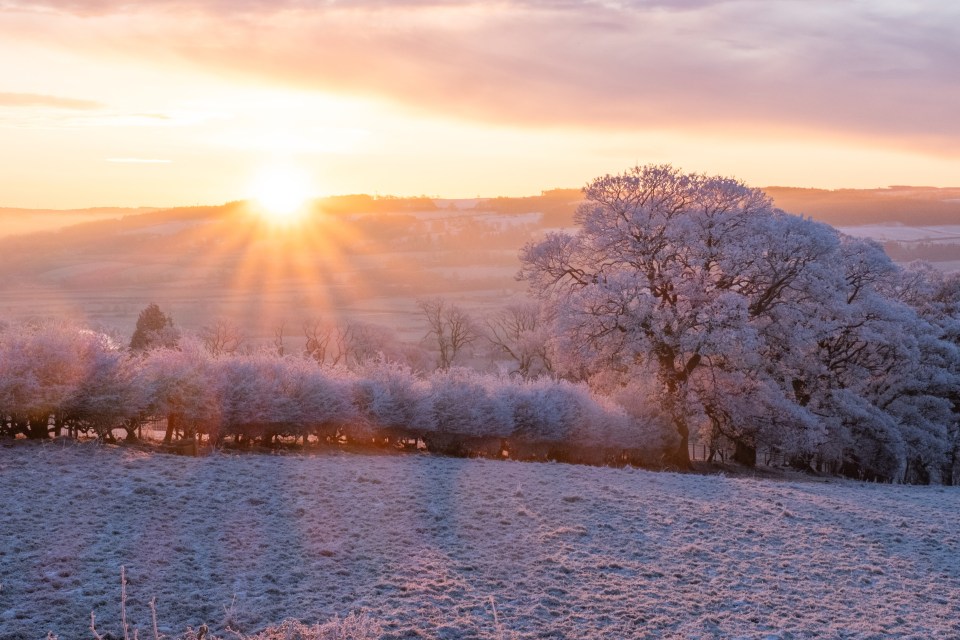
x: 280, y: 194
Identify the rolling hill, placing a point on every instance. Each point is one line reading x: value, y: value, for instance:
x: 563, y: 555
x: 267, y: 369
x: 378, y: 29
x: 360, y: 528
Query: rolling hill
x: 357, y: 256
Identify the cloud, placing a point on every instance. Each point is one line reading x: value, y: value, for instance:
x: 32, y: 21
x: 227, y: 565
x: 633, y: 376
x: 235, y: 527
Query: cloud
x: 39, y: 100
x: 882, y: 70
x: 220, y: 7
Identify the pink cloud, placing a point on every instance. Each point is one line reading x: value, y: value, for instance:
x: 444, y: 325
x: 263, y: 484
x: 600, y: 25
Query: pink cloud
x: 861, y: 70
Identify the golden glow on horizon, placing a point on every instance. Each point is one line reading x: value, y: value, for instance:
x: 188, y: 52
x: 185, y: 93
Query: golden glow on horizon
x: 281, y: 193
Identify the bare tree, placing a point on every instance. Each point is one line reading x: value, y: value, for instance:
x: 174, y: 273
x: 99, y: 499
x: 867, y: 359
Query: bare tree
x: 366, y: 342
x: 449, y: 326
x: 342, y: 340
x: 348, y: 342
x: 222, y: 337
x: 318, y: 334
x: 278, y: 339
x: 518, y: 332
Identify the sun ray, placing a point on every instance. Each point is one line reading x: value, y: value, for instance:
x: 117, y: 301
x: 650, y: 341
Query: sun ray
x: 280, y: 193
x: 296, y: 272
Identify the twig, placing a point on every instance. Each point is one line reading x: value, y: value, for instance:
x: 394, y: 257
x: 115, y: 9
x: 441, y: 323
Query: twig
x: 496, y: 619
x: 93, y: 627
x: 498, y: 627
x: 153, y: 616
x: 123, y: 603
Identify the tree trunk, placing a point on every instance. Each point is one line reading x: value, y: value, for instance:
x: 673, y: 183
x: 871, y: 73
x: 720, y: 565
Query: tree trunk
x: 19, y: 425
x: 680, y: 458
x: 802, y: 462
x: 171, y: 425
x: 745, y: 454
x: 39, y: 428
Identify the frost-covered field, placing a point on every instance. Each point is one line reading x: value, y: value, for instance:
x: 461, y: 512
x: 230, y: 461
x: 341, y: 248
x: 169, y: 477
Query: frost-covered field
x: 904, y: 233
x: 428, y: 546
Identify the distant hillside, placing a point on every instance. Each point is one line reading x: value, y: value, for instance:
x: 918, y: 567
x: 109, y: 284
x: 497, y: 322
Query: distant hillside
x: 368, y: 258
x: 556, y: 205
x: 361, y: 256
x: 19, y: 221
x: 908, y: 205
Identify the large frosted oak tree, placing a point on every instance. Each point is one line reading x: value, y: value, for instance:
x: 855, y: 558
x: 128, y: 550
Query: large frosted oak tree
x: 676, y: 275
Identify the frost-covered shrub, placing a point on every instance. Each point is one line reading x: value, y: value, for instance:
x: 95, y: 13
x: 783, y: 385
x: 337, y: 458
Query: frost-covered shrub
x: 391, y: 399
x: 241, y: 396
x: 352, y: 627
x: 924, y: 422
x: 263, y: 395
x: 544, y: 410
x: 182, y: 384
x: 58, y: 369
x: 463, y: 402
x: 319, y: 399
x: 108, y: 397
x: 467, y: 411
x: 646, y: 426
x: 588, y: 426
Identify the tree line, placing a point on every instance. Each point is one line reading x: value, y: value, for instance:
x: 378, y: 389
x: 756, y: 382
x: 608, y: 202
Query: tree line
x: 682, y: 308
x: 58, y: 379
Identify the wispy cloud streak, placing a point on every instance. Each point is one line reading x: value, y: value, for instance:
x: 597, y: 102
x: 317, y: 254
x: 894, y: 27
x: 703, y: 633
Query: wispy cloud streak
x: 139, y: 160
x: 34, y: 100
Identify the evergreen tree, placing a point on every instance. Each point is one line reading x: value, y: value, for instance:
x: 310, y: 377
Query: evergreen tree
x: 154, y: 329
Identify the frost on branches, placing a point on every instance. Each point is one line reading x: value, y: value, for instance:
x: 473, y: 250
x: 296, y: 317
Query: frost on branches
x: 753, y: 326
x: 57, y: 377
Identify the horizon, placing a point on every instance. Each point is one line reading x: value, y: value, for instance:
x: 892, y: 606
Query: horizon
x: 310, y: 199
x: 194, y: 101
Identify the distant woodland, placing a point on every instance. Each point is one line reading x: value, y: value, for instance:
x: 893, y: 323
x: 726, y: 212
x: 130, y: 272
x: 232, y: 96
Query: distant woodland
x: 357, y: 256
x: 844, y: 207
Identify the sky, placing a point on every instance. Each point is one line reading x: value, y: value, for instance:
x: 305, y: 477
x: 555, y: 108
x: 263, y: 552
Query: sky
x: 181, y: 102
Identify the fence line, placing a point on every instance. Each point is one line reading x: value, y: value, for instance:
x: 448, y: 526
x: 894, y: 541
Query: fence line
x: 700, y: 452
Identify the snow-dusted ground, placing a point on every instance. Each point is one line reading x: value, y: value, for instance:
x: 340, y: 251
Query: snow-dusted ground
x: 428, y: 545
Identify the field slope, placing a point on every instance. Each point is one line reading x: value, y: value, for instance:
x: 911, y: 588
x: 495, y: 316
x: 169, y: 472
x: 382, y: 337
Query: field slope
x: 429, y: 545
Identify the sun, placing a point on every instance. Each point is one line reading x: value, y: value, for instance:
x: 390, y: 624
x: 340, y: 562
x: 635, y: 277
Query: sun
x: 281, y: 194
